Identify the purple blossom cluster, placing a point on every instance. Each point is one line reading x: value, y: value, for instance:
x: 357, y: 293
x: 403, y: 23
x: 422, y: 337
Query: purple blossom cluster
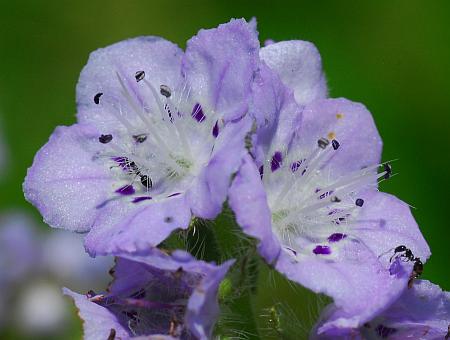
x: 165, y: 137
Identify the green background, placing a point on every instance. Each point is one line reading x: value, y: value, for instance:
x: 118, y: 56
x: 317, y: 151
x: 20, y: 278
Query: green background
x: 393, y: 56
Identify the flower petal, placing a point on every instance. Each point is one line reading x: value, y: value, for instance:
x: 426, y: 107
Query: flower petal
x: 210, y: 189
x: 353, y: 277
x: 158, y: 58
x: 276, y: 113
x: 386, y: 222
x: 219, y: 65
x: 299, y: 65
x: 254, y: 216
x: 124, y: 227
x: 422, y: 312
x: 98, y: 321
x: 351, y: 124
x: 64, y: 182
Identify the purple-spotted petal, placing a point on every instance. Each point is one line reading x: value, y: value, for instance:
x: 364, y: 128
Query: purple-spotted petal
x: 127, y: 227
x: 64, y: 182
x: 299, y: 66
x: 158, y: 58
x: 386, y: 222
x: 351, y: 274
x: 210, y: 189
x: 248, y: 200
x: 219, y: 64
x: 351, y: 124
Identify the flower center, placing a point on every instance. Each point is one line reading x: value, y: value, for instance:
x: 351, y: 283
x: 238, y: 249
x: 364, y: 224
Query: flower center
x: 155, y: 152
x: 311, y: 209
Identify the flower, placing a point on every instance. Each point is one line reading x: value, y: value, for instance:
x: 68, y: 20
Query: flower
x: 159, y: 135
x: 309, y: 194
x: 422, y: 312
x: 157, y: 296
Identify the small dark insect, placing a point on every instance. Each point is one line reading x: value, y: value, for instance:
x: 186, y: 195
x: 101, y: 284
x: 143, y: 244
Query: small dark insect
x: 409, y: 256
x: 139, y: 75
x: 105, y: 139
x: 97, y: 97
x: 112, y: 334
x: 417, y: 271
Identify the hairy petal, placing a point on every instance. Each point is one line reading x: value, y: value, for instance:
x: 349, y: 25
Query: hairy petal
x: 219, y: 65
x: 210, y: 189
x: 158, y: 58
x: 254, y: 215
x: 122, y: 227
x: 64, y: 182
x: 299, y: 66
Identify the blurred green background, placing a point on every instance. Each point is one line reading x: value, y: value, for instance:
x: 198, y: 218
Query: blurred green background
x: 393, y: 56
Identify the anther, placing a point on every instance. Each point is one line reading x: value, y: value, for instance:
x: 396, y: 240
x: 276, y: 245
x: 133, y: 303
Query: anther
x: 165, y: 91
x: 139, y: 75
x: 105, y: 139
x: 323, y: 143
x: 140, y: 138
x: 97, y: 97
x: 388, y: 169
x: 335, y: 144
x: 146, y: 181
x: 335, y: 199
x: 359, y: 202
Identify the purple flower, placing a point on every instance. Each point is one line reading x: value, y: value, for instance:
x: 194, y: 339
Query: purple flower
x: 155, y: 296
x: 422, y: 312
x: 316, y: 210
x: 159, y: 134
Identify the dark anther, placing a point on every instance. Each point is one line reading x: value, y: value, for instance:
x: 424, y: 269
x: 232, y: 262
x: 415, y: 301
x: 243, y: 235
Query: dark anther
x: 146, y: 181
x: 323, y: 143
x: 335, y: 144
x: 112, y: 334
x: 359, y: 202
x: 139, y: 75
x: 97, y: 97
x: 105, y: 139
x: 335, y: 199
x: 165, y: 91
x: 140, y: 138
x: 388, y: 169
x: 168, y: 219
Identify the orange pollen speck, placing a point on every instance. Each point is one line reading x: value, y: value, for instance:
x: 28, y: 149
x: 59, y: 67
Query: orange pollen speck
x: 339, y: 115
x: 331, y: 135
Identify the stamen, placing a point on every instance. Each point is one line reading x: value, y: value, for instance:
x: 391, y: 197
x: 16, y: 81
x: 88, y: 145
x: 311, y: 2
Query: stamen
x: 359, y: 202
x: 388, y: 170
x: 97, y: 97
x: 323, y: 143
x: 139, y: 75
x: 322, y: 250
x: 140, y: 138
x: 105, y: 139
x: 165, y: 91
x: 335, y: 144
